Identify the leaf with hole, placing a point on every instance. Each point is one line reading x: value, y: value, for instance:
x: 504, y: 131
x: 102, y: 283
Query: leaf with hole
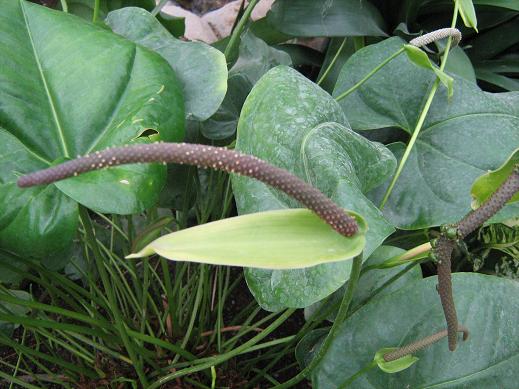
x: 68, y: 88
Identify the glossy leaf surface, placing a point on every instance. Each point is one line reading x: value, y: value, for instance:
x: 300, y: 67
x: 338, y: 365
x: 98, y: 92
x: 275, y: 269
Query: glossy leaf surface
x: 292, y: 123
x: 461, y: 138
x: 487, y: 305
x: 68, y: 88
x: 201, y: 69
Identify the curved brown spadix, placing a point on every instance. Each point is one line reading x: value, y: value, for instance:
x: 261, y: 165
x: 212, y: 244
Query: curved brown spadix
x: 207, y: 157
x: 434, y: 36
x: 421, y: 344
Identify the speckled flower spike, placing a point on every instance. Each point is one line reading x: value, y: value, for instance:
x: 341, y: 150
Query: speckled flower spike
x: 443, y: 251
x: 421, y: 344
x: 207, y: 157
x: 445, y: 244
x: 434, y: 36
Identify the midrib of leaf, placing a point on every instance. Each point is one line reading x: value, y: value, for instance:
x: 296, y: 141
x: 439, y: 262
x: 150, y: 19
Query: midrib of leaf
x: 44, y: 80
x: 118, y: 105
x: 468, y: 115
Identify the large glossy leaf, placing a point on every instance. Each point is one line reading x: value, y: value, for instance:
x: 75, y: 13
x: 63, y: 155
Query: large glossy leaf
x: 286, y: 239
x: 67, y: 88
x: 201, y: 69
x: 294, y: 124
x: 459, y: 64
x: 487, y: 305
x: 254, y: 60
x: 461, y: 138
x: 370, y: 283
x: 326, y: 18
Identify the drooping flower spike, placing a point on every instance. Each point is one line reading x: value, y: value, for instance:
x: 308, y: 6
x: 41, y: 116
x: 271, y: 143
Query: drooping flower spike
x: 206, y: 157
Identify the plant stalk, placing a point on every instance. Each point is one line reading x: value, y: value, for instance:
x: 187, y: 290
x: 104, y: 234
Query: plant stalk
x: 341, y: 316
x: 235, y: 36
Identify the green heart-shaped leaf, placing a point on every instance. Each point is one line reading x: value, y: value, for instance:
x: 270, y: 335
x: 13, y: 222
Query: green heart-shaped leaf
x: 68, y: 88
x: 461, y: 138
x: 294, y: 124
x: 200, y: 68
x: 486, y: 305
x: 287, y: 239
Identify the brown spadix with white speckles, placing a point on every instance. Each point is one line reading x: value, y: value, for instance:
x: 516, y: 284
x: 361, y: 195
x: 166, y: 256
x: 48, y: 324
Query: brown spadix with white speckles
x: 207, y: 157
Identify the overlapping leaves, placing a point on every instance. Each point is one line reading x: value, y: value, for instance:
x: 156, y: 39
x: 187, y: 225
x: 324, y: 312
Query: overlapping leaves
x: 461, y: 138
x: 67, y: 88
x: 292, y: 123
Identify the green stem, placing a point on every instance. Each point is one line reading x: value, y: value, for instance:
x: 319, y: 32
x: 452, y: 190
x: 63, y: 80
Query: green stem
x: 235, y: 36
x: 224, y: 357
x: 97, y: 4
x: 423, y: 115
x: 64, y: 6
x: 159, y: 6
x: 369, y: 75
x: 91, y: 240
x: 361, y: 372
x: 332, y: 63
x: 358, y: 42
x: 195, y: 308
x: 341, y: 316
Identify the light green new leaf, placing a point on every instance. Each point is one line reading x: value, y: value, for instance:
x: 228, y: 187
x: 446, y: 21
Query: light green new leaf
x: 286, y: 239
x: 419, y: 58
x: 393, y: 366
x: 487, y: 184
x: 294, y: 124
x: 468, y: 13
x: 69, y: 87
x: 201, y: 69
x: 486, y: 305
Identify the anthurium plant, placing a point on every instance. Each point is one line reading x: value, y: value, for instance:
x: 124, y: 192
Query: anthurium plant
x: 175, y: 213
